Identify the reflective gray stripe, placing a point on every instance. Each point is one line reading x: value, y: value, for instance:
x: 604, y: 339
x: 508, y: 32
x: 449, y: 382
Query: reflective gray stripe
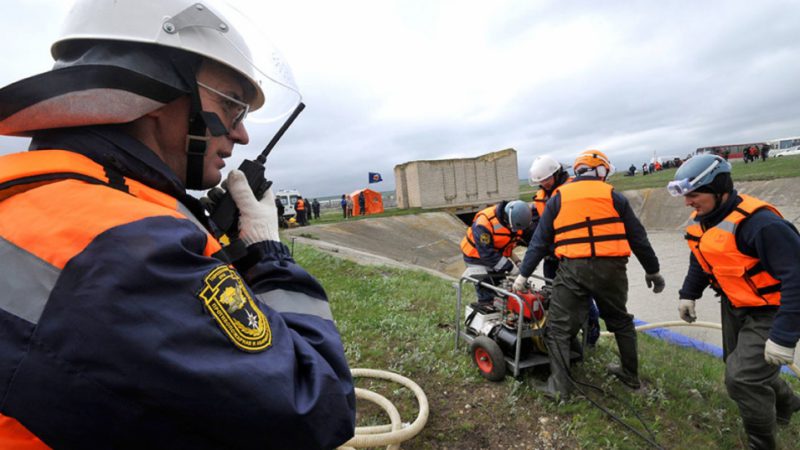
x: 500, y: 264
x: 728, y: 226
x: 188, y: 213
x: 26, y: 282
x: 295, y: 302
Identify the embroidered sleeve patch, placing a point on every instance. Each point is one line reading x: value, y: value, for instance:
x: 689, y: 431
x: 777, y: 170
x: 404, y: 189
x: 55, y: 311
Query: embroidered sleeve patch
x: 226, y: 298
x: 485, y: 239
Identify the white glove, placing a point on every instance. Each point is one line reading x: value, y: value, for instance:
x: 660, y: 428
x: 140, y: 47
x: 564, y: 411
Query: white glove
x: 258, y: 221
x: 520, y: 283
x: 655, y: 281
x: 686, y: 310
x: 778, y: 355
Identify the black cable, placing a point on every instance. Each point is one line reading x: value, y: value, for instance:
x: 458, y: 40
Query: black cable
x: 577, y: 384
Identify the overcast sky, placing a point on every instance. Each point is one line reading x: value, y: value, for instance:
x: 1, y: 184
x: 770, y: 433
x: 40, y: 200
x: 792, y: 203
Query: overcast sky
x: 387, y: 82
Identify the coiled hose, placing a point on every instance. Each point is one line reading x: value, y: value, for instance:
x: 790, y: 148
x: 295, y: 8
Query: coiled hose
x: 396, y: 432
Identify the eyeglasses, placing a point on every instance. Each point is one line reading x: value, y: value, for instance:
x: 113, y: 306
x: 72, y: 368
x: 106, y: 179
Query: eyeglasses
x: 234, y: 108
x: 684, y: 186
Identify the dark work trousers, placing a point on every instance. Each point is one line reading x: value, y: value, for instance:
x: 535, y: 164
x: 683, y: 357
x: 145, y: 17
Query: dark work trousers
x: 549, y: 269
x: 752, y: 383
x: 577, y: 282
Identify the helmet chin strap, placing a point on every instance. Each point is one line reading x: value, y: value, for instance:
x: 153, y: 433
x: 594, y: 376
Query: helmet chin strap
x: 200, y: 122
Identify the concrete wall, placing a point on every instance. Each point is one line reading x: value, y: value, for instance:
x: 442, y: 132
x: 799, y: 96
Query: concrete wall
x: 658, y: 210
x: 458, y: 182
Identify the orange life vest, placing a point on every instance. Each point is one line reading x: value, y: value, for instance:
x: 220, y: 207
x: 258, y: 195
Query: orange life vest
x: 300, y: 206
x: 541, y: 197
x: 587, y: 225
x: 503, y: 239
x: 741, y: 277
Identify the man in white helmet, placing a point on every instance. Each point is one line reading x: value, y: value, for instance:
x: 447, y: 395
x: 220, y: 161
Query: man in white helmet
x: 123, y: 325
x: 549, y: 175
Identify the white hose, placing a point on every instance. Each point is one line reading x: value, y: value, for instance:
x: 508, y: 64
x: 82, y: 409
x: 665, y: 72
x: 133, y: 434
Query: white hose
x: 395, y: 433
x: 680, y: 323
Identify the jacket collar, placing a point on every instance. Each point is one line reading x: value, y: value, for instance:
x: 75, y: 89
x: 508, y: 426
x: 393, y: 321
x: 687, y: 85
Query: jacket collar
x: 114, y: 149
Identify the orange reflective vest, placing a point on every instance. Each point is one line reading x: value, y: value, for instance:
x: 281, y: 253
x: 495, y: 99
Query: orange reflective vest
x: 300, y: 206
x: 503, y: 239
x: 587, y: 225
x: 38, y: 174
x: 541, y: 197
x: 741, y: 277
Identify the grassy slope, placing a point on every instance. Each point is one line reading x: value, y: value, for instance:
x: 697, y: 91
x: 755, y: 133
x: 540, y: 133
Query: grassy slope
x: 403, y: 321
x: 773, y: 168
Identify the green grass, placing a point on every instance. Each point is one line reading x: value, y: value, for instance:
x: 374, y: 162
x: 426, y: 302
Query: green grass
x: 403, y: 321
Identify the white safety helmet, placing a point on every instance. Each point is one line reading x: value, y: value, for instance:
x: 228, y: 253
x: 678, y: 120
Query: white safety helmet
x: 543, y: 167
x: 116, y: 61
x: 93, y: 82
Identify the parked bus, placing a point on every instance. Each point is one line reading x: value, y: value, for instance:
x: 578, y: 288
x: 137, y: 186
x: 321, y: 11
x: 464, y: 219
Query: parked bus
x: 783, y: 144
x: 733, y: 150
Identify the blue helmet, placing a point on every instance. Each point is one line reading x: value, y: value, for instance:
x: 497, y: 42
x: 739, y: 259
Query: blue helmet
x: 698, y: 171
x: 518, y: 215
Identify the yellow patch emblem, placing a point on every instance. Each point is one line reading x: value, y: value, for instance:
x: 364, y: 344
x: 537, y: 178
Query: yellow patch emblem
x: 229, y: 302
x: 485, y: 239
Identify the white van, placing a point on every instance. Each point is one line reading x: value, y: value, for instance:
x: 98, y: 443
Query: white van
x: 288, y: 198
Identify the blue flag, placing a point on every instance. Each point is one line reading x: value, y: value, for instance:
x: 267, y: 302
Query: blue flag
x: 375, y: 177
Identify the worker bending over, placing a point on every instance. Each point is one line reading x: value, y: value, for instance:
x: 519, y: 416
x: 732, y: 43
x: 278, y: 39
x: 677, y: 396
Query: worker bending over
x: 489, y: 243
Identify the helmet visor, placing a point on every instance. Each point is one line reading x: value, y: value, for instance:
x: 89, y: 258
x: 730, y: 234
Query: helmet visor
x: 681, y: 187
x: 261, y: 61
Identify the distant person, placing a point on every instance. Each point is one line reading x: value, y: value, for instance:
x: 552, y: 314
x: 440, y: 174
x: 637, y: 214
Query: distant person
x: 764, y: 152
x: 309, y: 211
x: 631, y: 171
x: 300, y: 210
x: 651, y: 167
x: 362, y: 204
x: 644, y: 169
x: 743, y: 248
x: 281, y: 209
x: 350, y: 206
x: 343, y: 204
x: 726, y: 154
x: 315, y: 208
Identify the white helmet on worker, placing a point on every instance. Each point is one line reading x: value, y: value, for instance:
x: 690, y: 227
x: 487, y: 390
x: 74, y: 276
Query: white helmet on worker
x: 518, y: 215
x: 542, y: 168
x: 593, y: 163
x: 116, y: 61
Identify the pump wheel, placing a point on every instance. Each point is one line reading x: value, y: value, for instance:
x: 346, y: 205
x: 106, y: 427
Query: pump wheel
x: 489, y: 358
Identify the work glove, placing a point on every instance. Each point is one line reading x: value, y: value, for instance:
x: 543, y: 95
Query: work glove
x: 655, y: 281
x: 777, y: 354
x: 686, y: 310
x: 520, y: 283
x: 258, y: 220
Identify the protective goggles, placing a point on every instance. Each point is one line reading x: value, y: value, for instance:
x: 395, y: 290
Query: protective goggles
x: 233, y: 108
x: 684, y: 186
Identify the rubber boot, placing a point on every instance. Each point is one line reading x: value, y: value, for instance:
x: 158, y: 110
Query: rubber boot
x: 558, y: 384
x: 628, y: 372
x: 783, y: 412
x: 760, y: 436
